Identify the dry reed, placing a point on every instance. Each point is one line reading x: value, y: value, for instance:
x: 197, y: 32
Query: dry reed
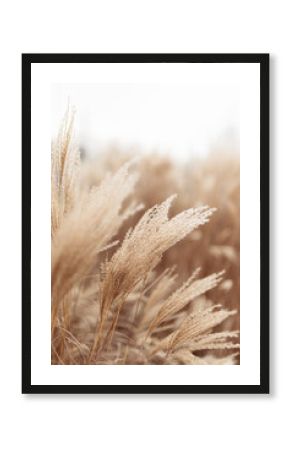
x: 132, y: 284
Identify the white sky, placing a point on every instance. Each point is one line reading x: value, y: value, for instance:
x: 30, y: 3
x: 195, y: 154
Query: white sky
x: 181, y: 119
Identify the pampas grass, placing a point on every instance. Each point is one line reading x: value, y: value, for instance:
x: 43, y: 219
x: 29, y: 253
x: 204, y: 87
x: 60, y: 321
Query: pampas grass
x: 135, y: 279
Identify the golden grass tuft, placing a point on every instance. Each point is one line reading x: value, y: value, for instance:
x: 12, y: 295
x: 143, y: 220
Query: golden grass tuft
x: 141, y: 275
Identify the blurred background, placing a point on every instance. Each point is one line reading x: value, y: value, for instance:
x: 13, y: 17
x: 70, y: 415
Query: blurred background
x: 180, y: 120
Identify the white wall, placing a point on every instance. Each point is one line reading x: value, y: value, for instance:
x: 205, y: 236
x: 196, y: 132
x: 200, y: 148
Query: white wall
x: 203, y: 422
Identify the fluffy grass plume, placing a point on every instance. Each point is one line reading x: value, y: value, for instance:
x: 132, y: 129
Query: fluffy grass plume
x: 135, y: 280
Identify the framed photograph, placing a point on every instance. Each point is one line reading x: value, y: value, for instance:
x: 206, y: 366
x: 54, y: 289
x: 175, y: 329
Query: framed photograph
x: 145, y: 223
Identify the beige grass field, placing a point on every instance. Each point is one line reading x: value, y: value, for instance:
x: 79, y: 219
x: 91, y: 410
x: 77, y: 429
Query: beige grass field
x: 145, y: 257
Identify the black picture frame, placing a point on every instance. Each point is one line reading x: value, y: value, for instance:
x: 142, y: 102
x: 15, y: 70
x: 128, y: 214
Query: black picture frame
x: 27, y: 61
